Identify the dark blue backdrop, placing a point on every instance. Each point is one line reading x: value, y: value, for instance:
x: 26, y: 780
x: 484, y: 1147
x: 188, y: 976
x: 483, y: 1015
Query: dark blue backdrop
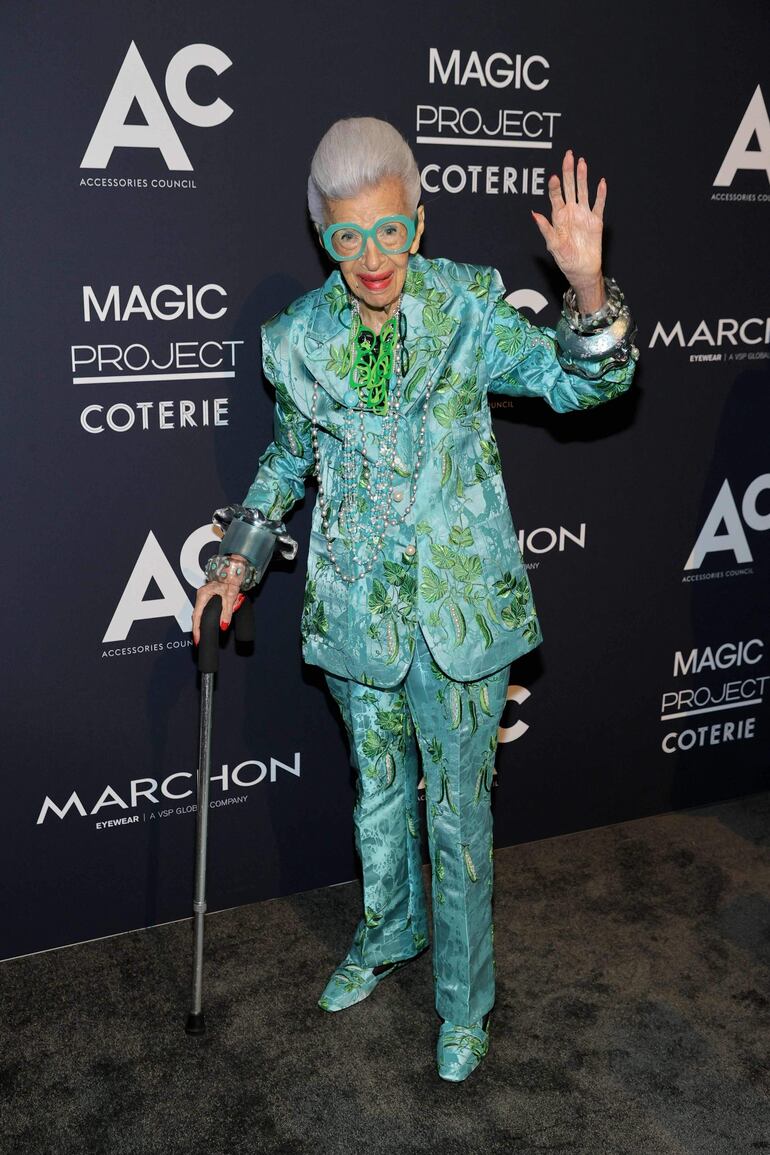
x: 110, y: 477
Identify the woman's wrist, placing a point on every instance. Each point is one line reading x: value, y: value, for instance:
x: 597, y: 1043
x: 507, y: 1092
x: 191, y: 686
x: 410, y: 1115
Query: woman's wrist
x: 590, y: 297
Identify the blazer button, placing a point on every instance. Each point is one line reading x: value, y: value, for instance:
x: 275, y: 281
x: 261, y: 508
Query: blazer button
x: 410, y: 550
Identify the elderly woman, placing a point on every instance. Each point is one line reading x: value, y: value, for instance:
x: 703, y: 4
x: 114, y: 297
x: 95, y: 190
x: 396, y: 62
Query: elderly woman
x: 417, y: 599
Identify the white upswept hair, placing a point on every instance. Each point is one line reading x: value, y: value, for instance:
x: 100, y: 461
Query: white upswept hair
x: 356, y: 153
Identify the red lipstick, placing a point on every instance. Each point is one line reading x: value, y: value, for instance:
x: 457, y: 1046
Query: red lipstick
x: 376, y: 283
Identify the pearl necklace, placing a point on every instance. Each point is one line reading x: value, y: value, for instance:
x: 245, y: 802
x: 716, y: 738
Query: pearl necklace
x: 374, y: 480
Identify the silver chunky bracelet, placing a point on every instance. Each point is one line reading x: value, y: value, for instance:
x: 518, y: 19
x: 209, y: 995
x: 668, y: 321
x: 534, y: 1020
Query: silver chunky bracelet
x: 586, y: 323
x: 605, y: 336
x: 249, y: 527
x: 253, y: 536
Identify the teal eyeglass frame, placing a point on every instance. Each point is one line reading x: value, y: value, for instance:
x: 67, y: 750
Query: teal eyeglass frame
x: 410, y: 224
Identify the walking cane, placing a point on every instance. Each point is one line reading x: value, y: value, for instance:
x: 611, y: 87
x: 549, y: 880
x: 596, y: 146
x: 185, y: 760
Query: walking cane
x: 208, y: 664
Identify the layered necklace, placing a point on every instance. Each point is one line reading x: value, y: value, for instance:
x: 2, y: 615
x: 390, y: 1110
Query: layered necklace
x: 368, y: 493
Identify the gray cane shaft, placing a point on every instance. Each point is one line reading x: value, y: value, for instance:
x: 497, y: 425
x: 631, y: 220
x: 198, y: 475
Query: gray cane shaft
x: 201, y: 834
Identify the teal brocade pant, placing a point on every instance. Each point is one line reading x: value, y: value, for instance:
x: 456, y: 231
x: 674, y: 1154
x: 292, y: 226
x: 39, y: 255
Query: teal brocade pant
x: 454, y: 724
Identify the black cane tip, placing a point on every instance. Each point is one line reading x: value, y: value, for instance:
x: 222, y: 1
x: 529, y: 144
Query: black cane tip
x: 196, y: 1024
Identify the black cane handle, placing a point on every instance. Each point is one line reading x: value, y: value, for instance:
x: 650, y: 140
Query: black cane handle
x: 208, y: 647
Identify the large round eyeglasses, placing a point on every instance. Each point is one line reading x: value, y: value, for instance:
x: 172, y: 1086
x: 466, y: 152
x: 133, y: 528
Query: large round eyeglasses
x: 345, y: 241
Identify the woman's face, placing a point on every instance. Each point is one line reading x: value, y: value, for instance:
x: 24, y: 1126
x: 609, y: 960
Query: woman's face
x: 376, y: 278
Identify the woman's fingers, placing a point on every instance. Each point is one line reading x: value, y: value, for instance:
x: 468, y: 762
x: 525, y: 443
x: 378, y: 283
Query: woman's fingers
x: 582, y: 183
x: 228, y: 598
x: 546, y: 229
x: 601, y: 197
x: 554, y: 193
x: 568, y: 176
x: 575, y: 189
x: 231, y: 601
x: 203, y: 597
x: 228, y: 609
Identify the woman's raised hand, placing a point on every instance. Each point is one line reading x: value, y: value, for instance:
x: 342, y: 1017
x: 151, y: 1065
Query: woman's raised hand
x: 574, y: 234
x: 232, y: 599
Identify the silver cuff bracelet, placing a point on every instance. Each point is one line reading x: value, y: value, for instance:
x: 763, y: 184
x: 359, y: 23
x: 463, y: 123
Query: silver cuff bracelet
x: 605, y: 336
x: 591, y: 322
x: 254, y: 536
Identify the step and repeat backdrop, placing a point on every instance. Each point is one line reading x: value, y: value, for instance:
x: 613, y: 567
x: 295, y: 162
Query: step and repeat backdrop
x: 155, y: 161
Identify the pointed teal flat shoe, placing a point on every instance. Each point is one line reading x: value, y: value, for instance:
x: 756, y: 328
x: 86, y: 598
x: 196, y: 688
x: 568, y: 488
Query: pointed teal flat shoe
x: 461, y: 1049
x: 350, y: 984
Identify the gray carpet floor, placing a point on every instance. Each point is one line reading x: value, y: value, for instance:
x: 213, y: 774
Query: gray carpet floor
x: 633, y: 1018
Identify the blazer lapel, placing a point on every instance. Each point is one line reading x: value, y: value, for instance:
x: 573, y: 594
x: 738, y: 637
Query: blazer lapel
x: 327, y: 339
x: 432, y: 320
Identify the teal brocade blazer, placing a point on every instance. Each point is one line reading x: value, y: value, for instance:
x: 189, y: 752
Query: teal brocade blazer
x: 464, y: 583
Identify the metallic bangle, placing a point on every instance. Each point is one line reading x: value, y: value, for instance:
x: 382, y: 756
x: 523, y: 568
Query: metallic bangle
x: 605, y: 336
x: 255, y: 519
x: 586, y: 323
x: 249, y: 533
x: 610, y: 347
x: 253, y: 542
x: 220, y: 567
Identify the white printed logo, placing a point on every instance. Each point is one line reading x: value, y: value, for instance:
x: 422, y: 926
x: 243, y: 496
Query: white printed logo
x: 725, y: 331
x: 141, y: 791
x: 482, y: 126
x: 134, y: 83
x: 499, y: 70
x: 708, y: 697
x: 163, y: 303
x: 725, y: 510
x: 527, y: 299
x: 755, y: 122
x: 724, y: 340
x: 159, y: 359
x: 516, y: 694
x: 153, y: 565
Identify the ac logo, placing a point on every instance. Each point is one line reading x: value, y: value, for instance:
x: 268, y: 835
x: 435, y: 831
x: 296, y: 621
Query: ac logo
x: 153, y: 565
x: 527, y: 299
x: 725, y: 512
x: 517, y: 694
x: 134, y: 83
x: 755, y: 122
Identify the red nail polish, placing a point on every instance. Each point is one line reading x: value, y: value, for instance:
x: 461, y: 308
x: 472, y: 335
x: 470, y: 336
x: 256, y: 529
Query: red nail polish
x: 222, y: 625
